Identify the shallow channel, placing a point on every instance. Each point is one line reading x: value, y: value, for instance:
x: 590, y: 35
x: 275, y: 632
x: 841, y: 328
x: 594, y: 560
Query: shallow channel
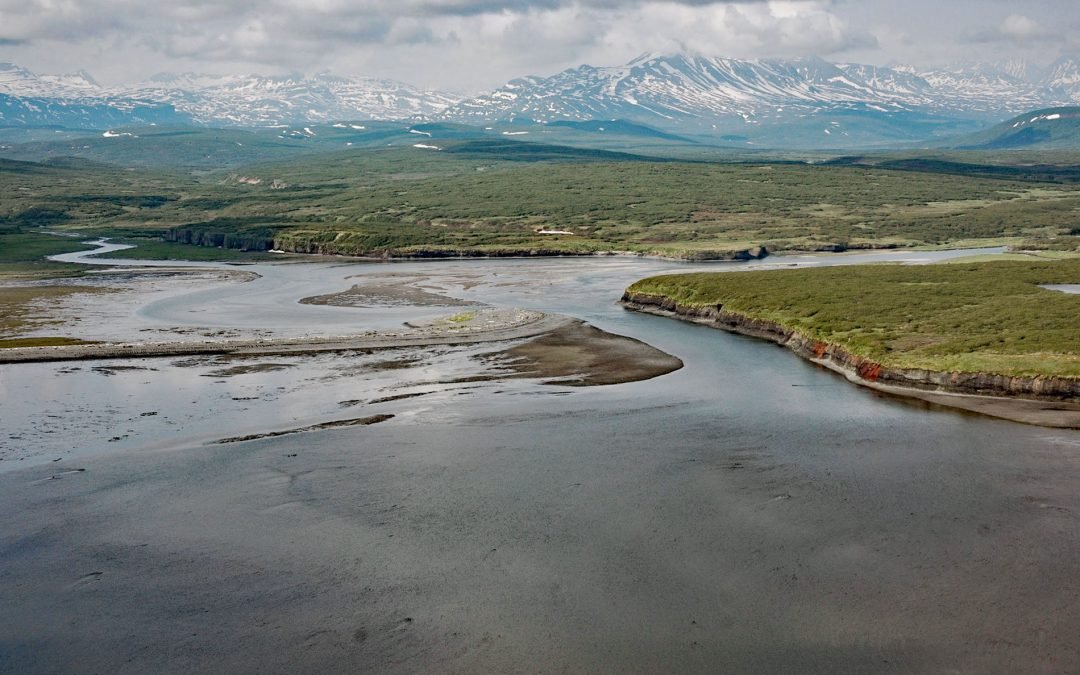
x: 749, y: 512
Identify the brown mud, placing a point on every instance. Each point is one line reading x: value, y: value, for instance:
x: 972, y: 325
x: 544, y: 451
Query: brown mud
x: 582, y: 355
x: 386, y: 294
x: 482, y: 325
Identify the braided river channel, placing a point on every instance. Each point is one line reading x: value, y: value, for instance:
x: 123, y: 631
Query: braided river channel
x: 749, y: 512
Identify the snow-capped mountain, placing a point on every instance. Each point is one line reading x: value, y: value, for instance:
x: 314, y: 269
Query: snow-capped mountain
x: 21, y: 82
x: 254, y: 99
x: 896, y: 82
x: 75, y: 101
x: 682, y: 93
x: 697, y: 90
x: 674, y: 88
x: 985, y: 88
x: 1065, y: 75
x: 246, y: 100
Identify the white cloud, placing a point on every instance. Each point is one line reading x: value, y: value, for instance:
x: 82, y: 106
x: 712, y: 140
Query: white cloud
x: 1017, y: 29
x: 740, y: 30
x: 468, y: 45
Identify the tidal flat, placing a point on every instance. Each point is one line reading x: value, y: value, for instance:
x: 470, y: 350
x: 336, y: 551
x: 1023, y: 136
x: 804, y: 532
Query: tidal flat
x: 749, y: 511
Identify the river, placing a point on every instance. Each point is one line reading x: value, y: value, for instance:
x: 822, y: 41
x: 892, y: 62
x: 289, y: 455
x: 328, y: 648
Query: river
x: 749, y: 512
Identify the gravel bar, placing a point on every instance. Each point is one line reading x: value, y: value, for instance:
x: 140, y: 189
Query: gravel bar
x: 489, y: 325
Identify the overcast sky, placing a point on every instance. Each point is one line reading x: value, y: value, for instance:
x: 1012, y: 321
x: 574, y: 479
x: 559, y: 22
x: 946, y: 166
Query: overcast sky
x: 472, y: 45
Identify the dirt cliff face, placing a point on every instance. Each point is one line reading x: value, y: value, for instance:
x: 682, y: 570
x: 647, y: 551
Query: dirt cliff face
x: 267, y: 239
x: 856, y: 367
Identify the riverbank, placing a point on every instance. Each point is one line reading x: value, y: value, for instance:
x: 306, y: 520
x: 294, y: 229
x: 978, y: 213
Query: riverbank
x: 531, y: 251
x: 1042, y: 401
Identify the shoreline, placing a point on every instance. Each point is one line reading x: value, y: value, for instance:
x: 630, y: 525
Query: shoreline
x: 746, y: 254
x: 1042, y: 401
x: 749, y: 254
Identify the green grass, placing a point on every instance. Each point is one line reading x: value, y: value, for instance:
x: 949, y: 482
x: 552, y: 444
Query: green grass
x: 969, y: 317
x: 26, y: 308
x: 156, y: 249
x: 15, y: 343
x: 372, y: 202
x: 463, y: 317
x: 22, y: 255
x: 495, y: 197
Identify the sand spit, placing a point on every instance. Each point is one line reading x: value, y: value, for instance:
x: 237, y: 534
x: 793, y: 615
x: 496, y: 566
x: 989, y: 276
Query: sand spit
x: 582, y: 355
x: 386, y: 294
x: 483, y: 325
x: 1016, y: 399
x: 336, y: 424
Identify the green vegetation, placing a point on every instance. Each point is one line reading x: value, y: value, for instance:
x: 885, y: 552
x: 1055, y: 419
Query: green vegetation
x: 14, y: 343
x: 973, y: 317
x: 22, y: 259
x: 1040, y: 172
x: 22, y: 255
x: 21, y: 311
x: 155, y: 249
x: 343, y: 191
x: 1048, y: 128
x: 463, y: 317
x: 494, y: 196
x: 208, y: 150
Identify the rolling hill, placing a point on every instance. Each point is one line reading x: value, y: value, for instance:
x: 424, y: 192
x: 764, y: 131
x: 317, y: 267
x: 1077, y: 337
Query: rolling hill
x: 1046, y: 129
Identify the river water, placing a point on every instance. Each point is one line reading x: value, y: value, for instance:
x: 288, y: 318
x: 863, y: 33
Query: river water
x: 749, y: 512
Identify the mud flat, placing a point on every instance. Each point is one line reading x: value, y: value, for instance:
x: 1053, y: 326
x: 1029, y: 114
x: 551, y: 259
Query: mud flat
x: 1043, y: 401
x: 578, y: 354
x: 336, y: 424
x: 486, y: 325
x: 400, y: 293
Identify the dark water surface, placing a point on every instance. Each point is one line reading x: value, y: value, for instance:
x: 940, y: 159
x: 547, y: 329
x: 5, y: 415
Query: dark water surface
x: 748, y: 513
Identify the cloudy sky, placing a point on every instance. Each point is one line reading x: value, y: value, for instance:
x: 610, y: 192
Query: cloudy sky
x: 471, y: 45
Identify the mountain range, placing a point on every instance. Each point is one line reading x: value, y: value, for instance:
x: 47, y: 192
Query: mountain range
x: 799, y: 102
x: 212, y: 100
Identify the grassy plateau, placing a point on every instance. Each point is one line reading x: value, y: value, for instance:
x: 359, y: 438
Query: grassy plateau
x: 501, y: 197
x: 983, y: 317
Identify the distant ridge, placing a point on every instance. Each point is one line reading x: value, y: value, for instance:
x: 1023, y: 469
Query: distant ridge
x: 802, y: 102
x: 246, y: 100
x: 1049, y: 128
x: 684, y: 89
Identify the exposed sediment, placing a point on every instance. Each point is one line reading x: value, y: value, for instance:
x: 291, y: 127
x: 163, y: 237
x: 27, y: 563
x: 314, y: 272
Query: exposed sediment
x: 480, y: 326
x: 1043, y: 400
x: 582, y: 355
x: 335, y: 424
